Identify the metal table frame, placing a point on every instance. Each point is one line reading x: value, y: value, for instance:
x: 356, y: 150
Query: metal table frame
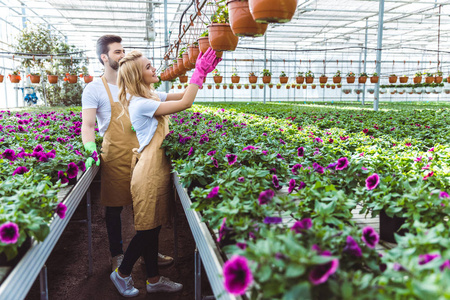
x: 22, y: 277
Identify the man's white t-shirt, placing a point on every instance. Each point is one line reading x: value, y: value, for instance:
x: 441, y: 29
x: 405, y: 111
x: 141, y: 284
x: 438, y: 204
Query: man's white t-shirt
x: 95, y: 96
x: 141, y: 112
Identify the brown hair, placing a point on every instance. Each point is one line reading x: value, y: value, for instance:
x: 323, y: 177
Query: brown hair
x: 103, y: 45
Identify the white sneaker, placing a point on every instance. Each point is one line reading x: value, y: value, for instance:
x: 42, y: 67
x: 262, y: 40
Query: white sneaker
x: 164, y: 285
x: 124, y: 285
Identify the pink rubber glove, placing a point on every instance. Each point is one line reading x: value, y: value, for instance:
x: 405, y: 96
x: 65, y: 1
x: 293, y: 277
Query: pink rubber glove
x: 203, y: 64
x: 214, y: 65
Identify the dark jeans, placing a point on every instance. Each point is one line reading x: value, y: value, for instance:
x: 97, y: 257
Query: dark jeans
x: 114, y: 228
x: 144, y: 243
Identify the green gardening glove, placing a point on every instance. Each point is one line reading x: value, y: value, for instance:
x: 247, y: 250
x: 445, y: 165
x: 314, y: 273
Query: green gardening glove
x: 91, y: 148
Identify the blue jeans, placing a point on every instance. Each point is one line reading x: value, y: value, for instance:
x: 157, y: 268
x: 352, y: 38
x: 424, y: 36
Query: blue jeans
x: 114, y: 229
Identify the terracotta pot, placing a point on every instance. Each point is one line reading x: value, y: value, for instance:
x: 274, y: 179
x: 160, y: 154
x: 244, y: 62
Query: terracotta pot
x: 261, y: 87
x: 392, y: 79
x: 179, y: 87
x: 438, y: 79
x: 322, y: 86
x: 303, y: 86
x: 221, y: 37
x: 241, y: 20
x: 253, y: 79
x: 270, y: 85
x: 288, y: 87
x: 403, y: 79
x: 300, y: 79
x: 217, y: 79
x: 284, y: 79
x: 203, y: 44
x: 175, y: 70
x: 278, y: 87
x: 88, y: 78
x: 309, y: 79
x: 183, y: 79
x: 417, y: 79
x: 323, y: 79
x: 448, y: 79
x: 187, y: 64
x: 1, y: 78
x: 180, y: 65
x: 362, y: 79
x: 209, y: 87
x: 333, y: 87
x: 15, y: 78
x: 193, y: 52
x: 224, y: 87
x: 265, y: 11
x: 231, y: 87
x: 337, y: 79
x: 429, y: 79
x: 246, y: 87
x: 374, y: 79
x: 170, y: 71
x: 351, y: 79
x: 235, y: 79
x: 35, y: 78
x: 253, y: 87
x: 72, y: 78
x: 219, y: 54
x: 358, y: 92
x: 313, y: 87
x: 266, y: 79
x: 217, y: 87
x: 239, y: 87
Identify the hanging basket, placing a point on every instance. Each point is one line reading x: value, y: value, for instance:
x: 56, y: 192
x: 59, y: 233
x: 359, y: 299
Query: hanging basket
x: 362, y: 79
x: 323, y: 79
x: 267, y: 79
x: 392, y: 79
x: 241, y: 20
x: 374, y: 79
x: 35, y: 78
x: 221, y: 37
x: 417, y: 79
x: 1, y: 78
x: 235, y: 79
x: 309, y: 79
x: 438, y: 79
x: 300, y: 79
x: 337, y: 79
x: 175, y: 70
x: 183, y: 79
x: 88, y: 78
x: 193, y: 52
x: 15, y: 78
x: 404, y: 79
x: 203, y: 44
x: 351, y: 79
x: 217, y: 79
x: 187, y: 64
x: 72, y: 78
x: 429, y: 79
x: 284, y: 79
x: 253, y: 79
x: 180, y: 65
x: 265, y: 11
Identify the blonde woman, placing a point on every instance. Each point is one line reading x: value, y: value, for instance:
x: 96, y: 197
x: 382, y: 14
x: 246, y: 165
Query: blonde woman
x: 150, y: 181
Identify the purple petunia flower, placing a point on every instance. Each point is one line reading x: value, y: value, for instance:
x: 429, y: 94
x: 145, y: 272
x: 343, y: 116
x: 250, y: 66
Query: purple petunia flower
x: 249, y: 148
x: 426, y: 258
x: 203, y: 139
x: 72, y: 170
x: 282, y: 142
x: 342, y: 163
x: 81, y: 166
x: 265, y: 197
x: 215, y: 162
x: 238, y: 275
x: 95, y: 155
x: 302, y: 225
x: 444, y: 195
x: 211, y: 153
x: 223, y: 230
x: 191, y: 151
x: 279, y: 256
x: 398, y: 267
x: 318, y: 139
x: 302, y: 185
x: 273, y: 171
x: 332, y: 166
x: 301, y: 152
x: 295, y: 168
x: 365, y: 130
x: 276, y: 182
x: 372, y: 181
x: 241, y: 246
x: 272, y: 220
x: 214, y: 192
x: 352, y: 247
x: 445, y: 265
x: 279, y: 156
x: 9, y: 233
x: 292, y: 185
x: 231, y: 158
x: 321, y: 273
x: 370, y: 237
x: 62, y: 176
x: 20, y: 170
x: 9, y: 154
x: 264, y: 152
x: 318, y: 168
x: 241, y: 179
x: 61, y: 210
x: 38, y: 148
x: 418, y: 158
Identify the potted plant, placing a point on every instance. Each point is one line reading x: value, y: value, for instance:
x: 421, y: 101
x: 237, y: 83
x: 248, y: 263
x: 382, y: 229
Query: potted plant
x: 288, y: 86
x: 241, y: 20
x: 362, y: 78
x: 203, y: 42
x: 337, y: 77
x: 253, y: 86
x: 358, y: 91
x: 322, y: 85
x: 300, y: 77
x: 429, y: 77
x: 221, y: 37
x: 71, y: 77
x: 448, y: 79
x: 85, y: 75
x: 283, y: 77
x: 351, y: 77
x: 261, y: 86
x: 339, y: 85
x: 216, y: 76
x: 371, y: 91
x: 418, y: 77
x: 400, y: 88
x: 328, y: 85
x: 1, y: 78
x: 438, y: 77
x: 179, y: 86
x: 264, y: 11
x: 392, y: 78
x: 246, y: 86
x: 186, y: 62
x: 309, y: 76
x: 252, y: 78
x: 209, y: 85
x: 239, y: 86
x: 447, y: 91
x: 185, y: 85
x: 408, y: 88
x: 346, y: 91
x: 193, y: 52
x: 323, y: 78
x: 374, y: 78
x: 404, y: 79
x: 267, y: 76
x: 35, y: 77
x: 234, y: 77
x: 304, y: 86
x: 333, y: 86
x: 438, y: 88
x: 313, y: 86
x: 183, y: 78
x: 217, y: 86
x: 231, y: 86
x: 270, y: 85
x: 383, y: 89
x: 224, y: 86
x: 15, y: 76
x: 428, y: 87
x: 278, y: 86
x: 293, y: 85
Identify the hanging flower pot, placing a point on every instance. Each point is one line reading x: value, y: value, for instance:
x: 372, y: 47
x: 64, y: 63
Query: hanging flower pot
x: 203, y: 44
x: 417, y: 79
x: 88, y: 78
x: 246, y: 86
x: 221, y: 37
x: 313, y: 86
x: 1, y: 78
x: 278, y: 86
x: 71, y: 78
x: 309, y: 79
x: 304, y: 86
x: 187, y: 64
x: 193, y: 52
x: 179, y: 86
x: 322, y: 85
x: 288, y: 86
x: 351, y: 79
x: 180, y: 65
x: 362, y: 79
x: 323, y: 79
x: 235, y: 79
x: 183, y: 79
x: 209, y: 86
x: 404, y: 79
x: 253, y: 79
x: 374, y: 79
x: 270, y: 85
x: 438, y: 79
x: 333, y: 86
x: 253, y: 86
x: 224, y: 86
x: 35, y: 78
x: 241, y: 20
x: 14, y: 78
x: 217, y: 79
x: 284, y: 79
x: 239, y: 86
x: 448, y: 79
x: 261, y: 86
x: 429, y: 79
x: 337, y: 79
x: 299, y: 79
x: 346, y: 91
x: 264, y: 11
x: 266, y: 79
x: 175, y: 70
x: 392, y: 79
x: 358, y: 91
x: 217, y: 86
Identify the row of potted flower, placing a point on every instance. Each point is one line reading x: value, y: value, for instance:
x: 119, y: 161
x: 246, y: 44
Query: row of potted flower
x: 15, y: 77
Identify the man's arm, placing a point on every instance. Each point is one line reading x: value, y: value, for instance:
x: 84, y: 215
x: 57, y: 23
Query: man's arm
x: 88, y: 125
x: 175, y: 96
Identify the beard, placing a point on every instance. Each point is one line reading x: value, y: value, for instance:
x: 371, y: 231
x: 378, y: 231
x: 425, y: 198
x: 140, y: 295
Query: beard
x: 113, y: 64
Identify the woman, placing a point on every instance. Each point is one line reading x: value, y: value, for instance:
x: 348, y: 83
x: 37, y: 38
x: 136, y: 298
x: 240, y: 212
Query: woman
x: 150, y: 181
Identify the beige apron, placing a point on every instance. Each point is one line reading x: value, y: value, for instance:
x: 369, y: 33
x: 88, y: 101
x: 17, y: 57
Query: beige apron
x: 118, y: 142
x: 151, y: 185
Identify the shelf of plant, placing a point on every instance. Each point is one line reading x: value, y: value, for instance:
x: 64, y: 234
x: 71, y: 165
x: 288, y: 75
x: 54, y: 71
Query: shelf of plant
x: 22, y: 277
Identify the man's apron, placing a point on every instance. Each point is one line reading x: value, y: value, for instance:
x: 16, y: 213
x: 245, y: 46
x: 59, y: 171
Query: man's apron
x: 151, y: 185
x: 118, y: 142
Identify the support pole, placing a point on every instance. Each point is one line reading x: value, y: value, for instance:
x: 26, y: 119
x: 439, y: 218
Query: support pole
x: 379, y: 45
x: 359, y: 70
x: 89, y: 225
x: 43, y: 283
x: 365, y: 59
x: 265, y: 63
x: 198, y: 275
x: 166, y: 42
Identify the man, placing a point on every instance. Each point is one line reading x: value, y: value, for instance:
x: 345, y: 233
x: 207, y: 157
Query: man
x: 100, y: 101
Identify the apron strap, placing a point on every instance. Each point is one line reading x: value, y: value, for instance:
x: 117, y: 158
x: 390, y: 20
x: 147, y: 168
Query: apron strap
x: 105, y: 83
x: 135, y: 159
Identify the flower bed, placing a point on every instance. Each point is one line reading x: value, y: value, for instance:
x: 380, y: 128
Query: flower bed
x: 235, y: 161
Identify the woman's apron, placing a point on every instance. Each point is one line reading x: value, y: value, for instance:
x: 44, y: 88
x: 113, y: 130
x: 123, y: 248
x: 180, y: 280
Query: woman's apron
x: 118, y: 142
x: 151, y: 185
